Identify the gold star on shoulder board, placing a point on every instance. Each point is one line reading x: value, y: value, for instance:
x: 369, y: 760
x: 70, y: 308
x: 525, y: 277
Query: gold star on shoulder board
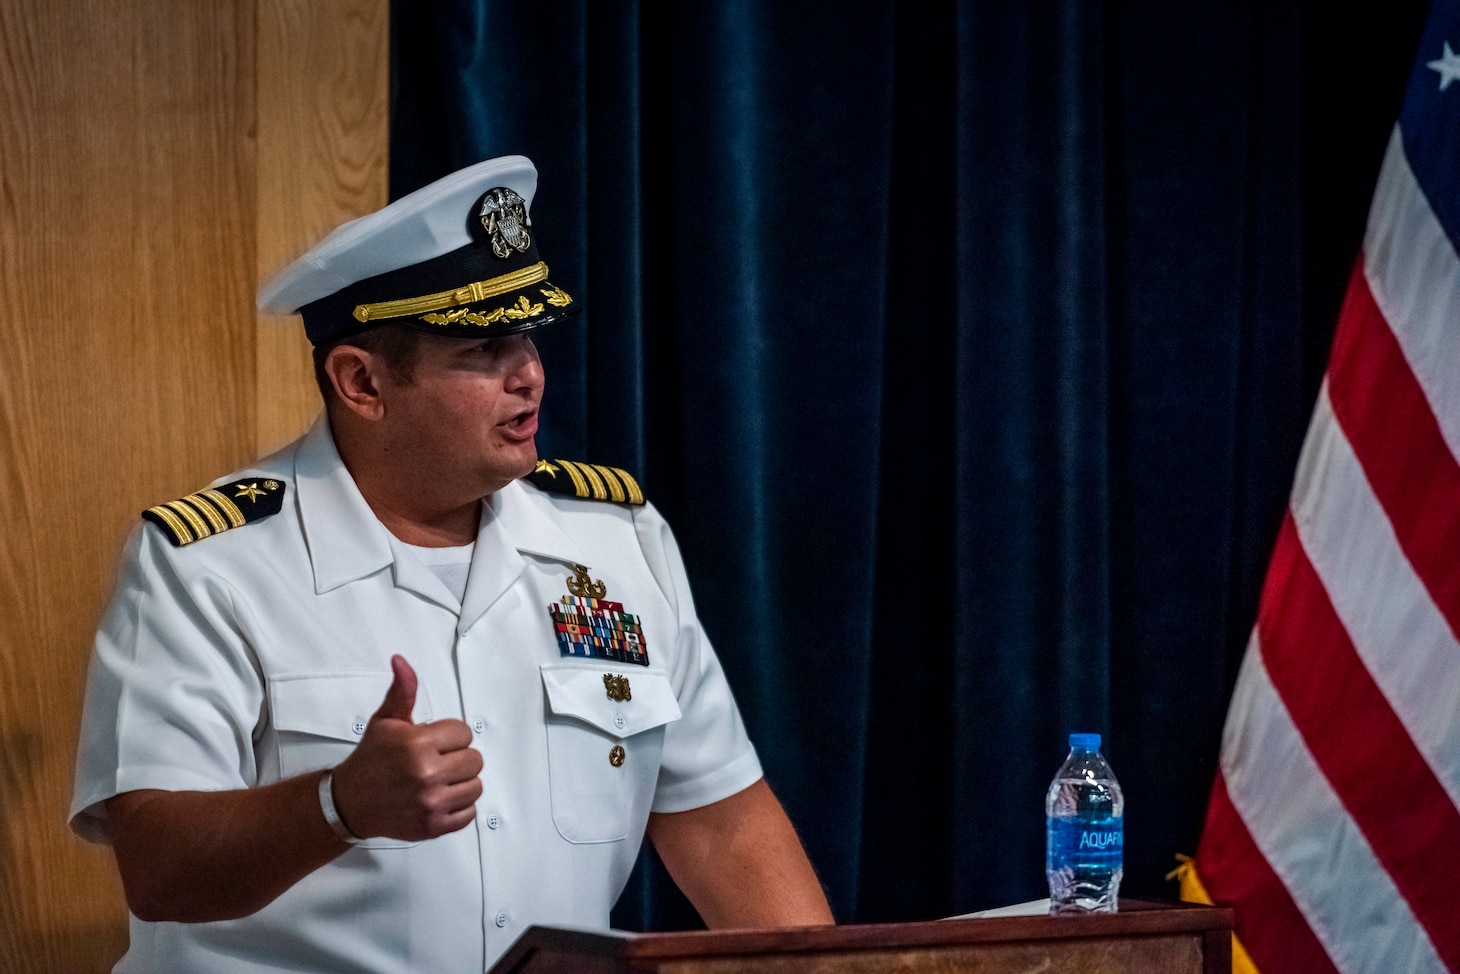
x: 544, y: 467
x: 251, y: 491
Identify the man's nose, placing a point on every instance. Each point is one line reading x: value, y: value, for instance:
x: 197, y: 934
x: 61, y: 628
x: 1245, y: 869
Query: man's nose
x: 524, y: 366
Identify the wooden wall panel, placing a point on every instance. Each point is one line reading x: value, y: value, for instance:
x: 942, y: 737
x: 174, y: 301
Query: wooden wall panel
x: 126, y: 373
x: 323, y: 108
x: 136, y: 149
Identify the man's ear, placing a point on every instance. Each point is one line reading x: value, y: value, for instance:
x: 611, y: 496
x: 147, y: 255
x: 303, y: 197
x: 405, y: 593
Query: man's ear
x: 355, y: 373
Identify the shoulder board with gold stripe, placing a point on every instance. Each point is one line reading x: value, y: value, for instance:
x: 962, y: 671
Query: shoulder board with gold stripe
x: 589, y: 481
x: 217, y: 509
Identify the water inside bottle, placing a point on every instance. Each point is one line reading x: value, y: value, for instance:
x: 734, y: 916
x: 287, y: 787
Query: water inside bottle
x: 1086, y: 839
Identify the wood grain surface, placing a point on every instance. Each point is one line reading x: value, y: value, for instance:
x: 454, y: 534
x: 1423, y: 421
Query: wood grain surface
x: 323, y: 94
x: 1145, y: 955
x: 1143, y: 938
x: 135, y: 146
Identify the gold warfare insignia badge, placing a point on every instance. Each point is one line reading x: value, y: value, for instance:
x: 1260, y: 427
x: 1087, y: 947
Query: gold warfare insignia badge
x: 617, y: 687
x: 591, y: 627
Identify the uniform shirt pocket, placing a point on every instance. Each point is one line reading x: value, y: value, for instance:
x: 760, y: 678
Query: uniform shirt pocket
x: 605, y: 735
x: 319, y: 718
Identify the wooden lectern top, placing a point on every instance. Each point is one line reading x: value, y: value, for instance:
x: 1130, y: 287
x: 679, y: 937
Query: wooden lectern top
x: 1143, y: 938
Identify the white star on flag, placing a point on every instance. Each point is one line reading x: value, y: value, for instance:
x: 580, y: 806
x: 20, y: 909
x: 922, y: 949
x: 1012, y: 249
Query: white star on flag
x: 1448, y: 66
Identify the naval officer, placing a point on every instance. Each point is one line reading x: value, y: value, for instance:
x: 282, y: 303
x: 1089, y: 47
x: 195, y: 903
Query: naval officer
x: 385, y: 698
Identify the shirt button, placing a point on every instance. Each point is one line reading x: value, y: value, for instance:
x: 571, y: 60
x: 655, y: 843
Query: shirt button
x: 501, y: 919
x: 358, y: 726
x: 493, y: 821
x: 618, y: 721
x: 479, y: 725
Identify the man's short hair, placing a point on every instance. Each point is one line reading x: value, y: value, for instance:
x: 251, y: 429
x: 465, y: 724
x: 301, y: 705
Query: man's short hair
x: 394, y: 345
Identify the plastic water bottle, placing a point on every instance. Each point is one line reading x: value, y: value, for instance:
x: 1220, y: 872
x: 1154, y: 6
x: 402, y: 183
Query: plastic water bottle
x: 1085, y: 837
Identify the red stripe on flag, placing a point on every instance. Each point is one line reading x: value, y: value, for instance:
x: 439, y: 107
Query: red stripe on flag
x: 1236, y: 874
x: 1358, y: 742
x: 1387, y: 419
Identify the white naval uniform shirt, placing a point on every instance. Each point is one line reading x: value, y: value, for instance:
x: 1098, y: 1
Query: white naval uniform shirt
x: 260, y: 653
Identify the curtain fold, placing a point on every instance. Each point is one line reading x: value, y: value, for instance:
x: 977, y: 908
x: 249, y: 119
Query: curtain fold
x: 966, y: 346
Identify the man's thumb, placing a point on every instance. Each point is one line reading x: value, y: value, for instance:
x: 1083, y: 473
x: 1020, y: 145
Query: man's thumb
x: 400, y: 699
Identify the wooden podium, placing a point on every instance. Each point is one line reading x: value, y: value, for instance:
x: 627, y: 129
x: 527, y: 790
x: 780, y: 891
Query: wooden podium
x: 1143, y: 938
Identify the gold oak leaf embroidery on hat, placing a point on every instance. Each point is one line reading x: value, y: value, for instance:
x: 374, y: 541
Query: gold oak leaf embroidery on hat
x: 522, y: 309
x: 591, y: 627
x: 217, y: 509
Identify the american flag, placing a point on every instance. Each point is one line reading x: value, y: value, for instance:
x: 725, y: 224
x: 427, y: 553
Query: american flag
x: 1334, y: 823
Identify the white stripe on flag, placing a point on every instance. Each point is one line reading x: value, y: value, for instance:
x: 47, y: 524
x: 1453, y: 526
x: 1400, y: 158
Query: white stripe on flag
x: 1301, y: 828
x: 1404, y: 641
x: 1414, y: 275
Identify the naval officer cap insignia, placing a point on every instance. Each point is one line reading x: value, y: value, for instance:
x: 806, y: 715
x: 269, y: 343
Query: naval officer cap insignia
x: 458, y: 257
x: 217, y: 509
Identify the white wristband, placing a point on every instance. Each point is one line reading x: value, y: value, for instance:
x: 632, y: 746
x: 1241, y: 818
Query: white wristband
x: 332, y: 814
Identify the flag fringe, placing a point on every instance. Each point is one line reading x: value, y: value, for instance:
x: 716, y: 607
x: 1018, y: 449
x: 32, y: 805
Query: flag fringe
x: 1192, y: 891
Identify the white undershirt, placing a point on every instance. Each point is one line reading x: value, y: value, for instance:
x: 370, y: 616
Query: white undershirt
x: 451, y: 565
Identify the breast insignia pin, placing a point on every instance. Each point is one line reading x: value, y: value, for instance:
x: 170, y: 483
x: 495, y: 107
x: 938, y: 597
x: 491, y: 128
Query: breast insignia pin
x: 589, y: 626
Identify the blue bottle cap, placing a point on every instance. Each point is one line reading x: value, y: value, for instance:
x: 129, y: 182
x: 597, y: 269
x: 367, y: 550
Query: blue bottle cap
x: 1084, y: 742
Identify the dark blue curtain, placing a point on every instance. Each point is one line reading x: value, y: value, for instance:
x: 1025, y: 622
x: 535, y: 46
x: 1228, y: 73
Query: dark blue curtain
x: 968, y: 347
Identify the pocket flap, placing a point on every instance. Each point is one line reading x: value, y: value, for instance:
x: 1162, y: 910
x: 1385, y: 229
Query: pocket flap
x: 335, y: 704
x: 575, y: 690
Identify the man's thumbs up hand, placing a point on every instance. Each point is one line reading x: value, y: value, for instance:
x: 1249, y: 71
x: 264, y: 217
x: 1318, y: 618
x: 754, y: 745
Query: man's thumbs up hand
x: 408, y: 781
x: 400, y: 699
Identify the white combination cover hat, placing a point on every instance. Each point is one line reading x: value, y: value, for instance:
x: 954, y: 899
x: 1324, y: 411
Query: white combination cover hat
x: 457, y: 257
